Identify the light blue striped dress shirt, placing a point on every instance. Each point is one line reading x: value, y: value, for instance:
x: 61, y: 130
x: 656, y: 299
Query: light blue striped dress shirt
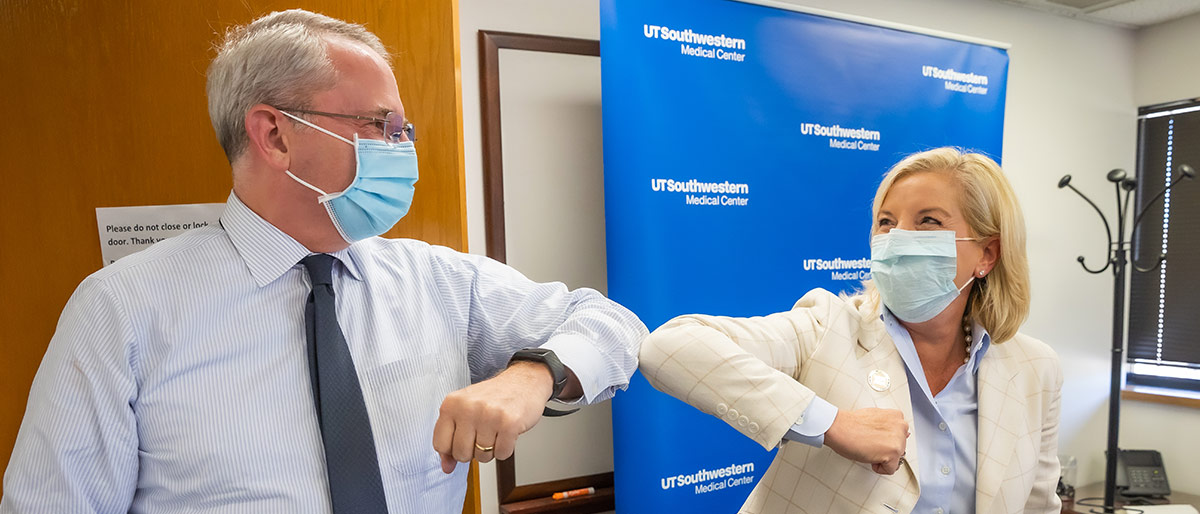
x: 946, y: 425
x: 177, y: 378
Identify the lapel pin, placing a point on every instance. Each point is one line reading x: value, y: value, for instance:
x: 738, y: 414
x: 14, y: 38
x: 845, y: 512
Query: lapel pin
x: 879, y: 380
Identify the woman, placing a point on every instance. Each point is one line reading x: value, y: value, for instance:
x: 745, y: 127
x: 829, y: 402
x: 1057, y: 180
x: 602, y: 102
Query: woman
x: 916, y: 394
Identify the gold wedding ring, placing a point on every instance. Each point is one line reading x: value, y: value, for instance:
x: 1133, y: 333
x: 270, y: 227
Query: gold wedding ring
x: 484, y: 448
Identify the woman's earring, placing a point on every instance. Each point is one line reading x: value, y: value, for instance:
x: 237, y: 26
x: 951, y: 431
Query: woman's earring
x: 980, y: 273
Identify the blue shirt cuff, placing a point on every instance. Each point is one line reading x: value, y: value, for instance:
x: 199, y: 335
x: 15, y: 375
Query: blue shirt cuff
x: 813, y: 423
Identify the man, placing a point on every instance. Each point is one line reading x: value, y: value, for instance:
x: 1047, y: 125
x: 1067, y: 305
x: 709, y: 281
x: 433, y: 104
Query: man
x: 288, y: 360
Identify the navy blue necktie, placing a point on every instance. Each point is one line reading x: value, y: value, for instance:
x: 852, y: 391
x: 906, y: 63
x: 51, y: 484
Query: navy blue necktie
x: 355, y: 486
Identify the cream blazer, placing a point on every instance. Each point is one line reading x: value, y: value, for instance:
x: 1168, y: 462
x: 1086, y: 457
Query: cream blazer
x: 760, y: 374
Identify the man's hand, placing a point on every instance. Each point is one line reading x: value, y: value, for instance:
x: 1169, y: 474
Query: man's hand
x: 491, y: 414
x: 871, y: 436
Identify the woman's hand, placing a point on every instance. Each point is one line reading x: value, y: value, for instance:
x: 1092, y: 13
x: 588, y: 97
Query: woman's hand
x: 871, y: 436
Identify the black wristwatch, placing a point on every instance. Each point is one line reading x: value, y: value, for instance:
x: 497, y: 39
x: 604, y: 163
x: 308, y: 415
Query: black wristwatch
x: 545, y: 356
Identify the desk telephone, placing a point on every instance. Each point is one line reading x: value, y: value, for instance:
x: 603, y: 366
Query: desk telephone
x: 1141, y: 473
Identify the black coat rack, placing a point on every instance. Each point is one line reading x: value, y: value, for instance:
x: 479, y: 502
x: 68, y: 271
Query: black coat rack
x: 1116, y: 257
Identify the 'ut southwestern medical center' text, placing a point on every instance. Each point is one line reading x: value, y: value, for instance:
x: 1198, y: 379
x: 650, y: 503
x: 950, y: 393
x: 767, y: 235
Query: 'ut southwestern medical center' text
x: 696, y: 192
x: 696, y: 44
x: 709, y: 480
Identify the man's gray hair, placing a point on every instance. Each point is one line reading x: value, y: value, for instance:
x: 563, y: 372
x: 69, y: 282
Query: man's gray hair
x: 281, y: 60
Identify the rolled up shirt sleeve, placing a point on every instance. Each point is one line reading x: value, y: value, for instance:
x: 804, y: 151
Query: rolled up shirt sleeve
x: 586, y: 362
x: 596, y: 338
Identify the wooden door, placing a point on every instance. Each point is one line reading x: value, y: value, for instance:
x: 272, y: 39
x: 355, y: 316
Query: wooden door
x: 104, y: 106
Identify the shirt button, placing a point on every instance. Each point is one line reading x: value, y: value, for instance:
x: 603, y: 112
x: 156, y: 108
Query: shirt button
x: 945, y: 470
x: 721, y: 408
x: 938, y: 510
x: 743, y: 421
x: 753, y: 427
x: 942, y: 426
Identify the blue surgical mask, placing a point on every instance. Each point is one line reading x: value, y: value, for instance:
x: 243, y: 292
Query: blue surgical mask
x: 382, y: 190
x: 914, y: 272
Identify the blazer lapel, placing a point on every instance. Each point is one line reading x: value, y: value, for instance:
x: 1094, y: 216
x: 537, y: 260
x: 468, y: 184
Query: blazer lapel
x: 999, y: 423
x: 878, y: 352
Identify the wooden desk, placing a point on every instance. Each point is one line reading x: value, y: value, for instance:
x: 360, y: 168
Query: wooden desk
x: 1096, y: 490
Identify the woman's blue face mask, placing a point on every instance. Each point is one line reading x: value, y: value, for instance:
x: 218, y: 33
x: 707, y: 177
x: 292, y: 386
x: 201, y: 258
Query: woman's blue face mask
x: 914, y: 272
x: 382, y: 190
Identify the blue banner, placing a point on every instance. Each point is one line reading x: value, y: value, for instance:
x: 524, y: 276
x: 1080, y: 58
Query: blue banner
x: 742, y: 148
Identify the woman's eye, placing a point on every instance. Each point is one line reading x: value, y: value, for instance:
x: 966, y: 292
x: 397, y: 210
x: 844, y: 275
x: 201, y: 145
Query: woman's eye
x: 928, y: 219
x: 885, y: 222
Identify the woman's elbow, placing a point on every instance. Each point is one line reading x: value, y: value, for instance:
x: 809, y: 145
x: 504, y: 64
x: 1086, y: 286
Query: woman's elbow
x: 661, y: 347
x: 656, y: 350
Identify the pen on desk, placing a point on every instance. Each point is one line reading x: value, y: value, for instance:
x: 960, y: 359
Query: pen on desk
x: 575, y: 492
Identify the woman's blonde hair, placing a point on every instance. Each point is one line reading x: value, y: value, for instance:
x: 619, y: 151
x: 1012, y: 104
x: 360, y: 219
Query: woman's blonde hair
x: 1000, y: 301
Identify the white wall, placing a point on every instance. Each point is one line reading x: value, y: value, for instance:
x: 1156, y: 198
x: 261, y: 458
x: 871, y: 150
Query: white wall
x: 1165, y: 63
x: 1071, y: 108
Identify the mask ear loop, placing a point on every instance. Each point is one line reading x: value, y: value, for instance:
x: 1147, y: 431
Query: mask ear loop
x: 306, y: 184
x: 325, y: 197
x: 965, y: 284
x: 981, y: 273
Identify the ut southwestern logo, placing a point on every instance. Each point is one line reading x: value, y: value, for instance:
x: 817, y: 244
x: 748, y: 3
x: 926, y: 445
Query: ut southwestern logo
x: 844, y: 138
x: 954, y: 80
x: 724, y: 193
x: 841, y: 269
x: 705, y: 45
x: 709, y: 480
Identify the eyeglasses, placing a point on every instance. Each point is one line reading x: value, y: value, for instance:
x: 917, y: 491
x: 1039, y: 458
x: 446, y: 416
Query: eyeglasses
x: 395, y: 128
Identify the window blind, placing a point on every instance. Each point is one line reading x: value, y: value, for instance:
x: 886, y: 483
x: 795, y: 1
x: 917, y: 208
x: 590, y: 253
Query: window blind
x: 1164, y: 310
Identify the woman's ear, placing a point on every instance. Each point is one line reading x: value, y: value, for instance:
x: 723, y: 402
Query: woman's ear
x: 991, y: 253
x: 269, y: 132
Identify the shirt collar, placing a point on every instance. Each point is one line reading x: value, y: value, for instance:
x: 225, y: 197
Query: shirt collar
x: 980, y: 339
x: 267, y: 251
